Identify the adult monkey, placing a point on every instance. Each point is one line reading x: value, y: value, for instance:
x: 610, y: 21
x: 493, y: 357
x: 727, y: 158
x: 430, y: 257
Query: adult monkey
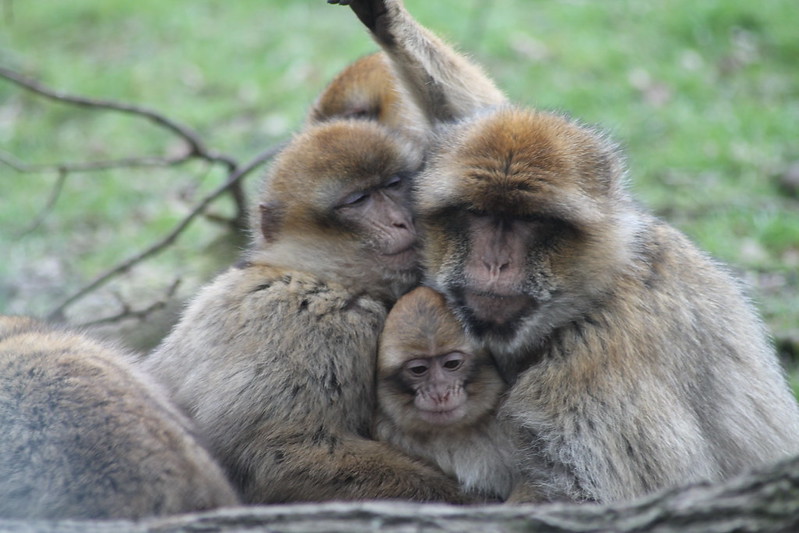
x: 86, y: 435
x: 636, y: 363
x: 275, y: 359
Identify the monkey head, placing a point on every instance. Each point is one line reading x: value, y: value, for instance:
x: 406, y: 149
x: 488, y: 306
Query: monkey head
x: 368, y: 90
x: 337, y: 204
x: 431, y: 376
x: 522, y: 214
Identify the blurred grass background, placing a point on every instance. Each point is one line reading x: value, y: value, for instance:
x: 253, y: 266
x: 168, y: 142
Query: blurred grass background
x: 703, y: 95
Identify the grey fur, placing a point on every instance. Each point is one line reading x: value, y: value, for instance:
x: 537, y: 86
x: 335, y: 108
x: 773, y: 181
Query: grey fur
x: 83, y: 434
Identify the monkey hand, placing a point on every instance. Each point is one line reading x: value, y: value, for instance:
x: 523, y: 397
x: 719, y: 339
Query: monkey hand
x: 373, y: 15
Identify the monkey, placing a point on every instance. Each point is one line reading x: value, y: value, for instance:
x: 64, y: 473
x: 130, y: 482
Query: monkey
x: 437, y: 395
x: 274, y: 360
x: 368, y: 89
x: 635, y: 362
x: 87, y: 435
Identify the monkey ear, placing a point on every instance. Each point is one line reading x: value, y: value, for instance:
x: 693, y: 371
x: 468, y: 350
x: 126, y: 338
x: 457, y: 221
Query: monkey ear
x: 271, y: 216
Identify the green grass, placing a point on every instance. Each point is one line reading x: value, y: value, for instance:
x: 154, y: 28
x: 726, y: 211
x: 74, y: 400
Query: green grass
x: 703, y: 95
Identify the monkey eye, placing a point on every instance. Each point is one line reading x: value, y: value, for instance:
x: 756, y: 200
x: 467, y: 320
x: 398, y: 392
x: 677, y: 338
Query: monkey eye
x: 453, y: 365
x: 394, y: 182
x: 354, y: 199
x: 417, y: 368
x: 453, y: 361
x: 478, y: 214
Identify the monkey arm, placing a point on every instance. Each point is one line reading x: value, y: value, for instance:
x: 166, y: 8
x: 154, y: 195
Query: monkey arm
x: 444, y: 84
x: 321, y: 464
x: 276, y: 368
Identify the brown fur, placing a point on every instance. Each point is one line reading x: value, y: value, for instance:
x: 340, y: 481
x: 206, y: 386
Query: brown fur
x: 368, y: 89
x: 635, y: 360
x: 474, y: 448
x: 85, y: 435
x: 275, y: 360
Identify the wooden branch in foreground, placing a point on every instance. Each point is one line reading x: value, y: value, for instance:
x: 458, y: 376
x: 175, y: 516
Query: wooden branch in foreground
x: 765, y: 501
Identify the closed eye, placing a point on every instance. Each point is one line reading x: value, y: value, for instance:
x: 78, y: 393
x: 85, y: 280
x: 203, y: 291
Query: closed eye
x: 354, y: 199
x: 394, y: 182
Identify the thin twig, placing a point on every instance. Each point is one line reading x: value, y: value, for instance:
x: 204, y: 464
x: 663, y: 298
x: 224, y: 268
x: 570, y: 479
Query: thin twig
x: 196, y: 146
x: 57, y: 313
x: 93, y: 166
x: 141, y: 314
x: 55, y: 193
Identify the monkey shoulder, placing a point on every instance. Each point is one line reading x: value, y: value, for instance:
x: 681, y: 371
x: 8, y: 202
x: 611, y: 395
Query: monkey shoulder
x: 264, y: 300
x: 666, y: 260
x: 283, y: 336
x: 302, y: 296
x: 51, y: 362
x: 78, y: 417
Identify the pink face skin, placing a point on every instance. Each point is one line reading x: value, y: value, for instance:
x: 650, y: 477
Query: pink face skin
x: 385, y: 214
x: 495, y: 269
x: 438, y: 382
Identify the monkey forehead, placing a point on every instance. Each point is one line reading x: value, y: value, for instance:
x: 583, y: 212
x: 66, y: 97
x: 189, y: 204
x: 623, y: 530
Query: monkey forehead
x: 522, y: 163
x: 422, y: 311
x: 420, y: 324
x: 422, y: 299
x: 336, y: 155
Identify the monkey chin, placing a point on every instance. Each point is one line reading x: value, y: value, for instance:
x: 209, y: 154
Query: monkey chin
x: 442, y: 418
x: 489, y: 312
x: 406, y: 259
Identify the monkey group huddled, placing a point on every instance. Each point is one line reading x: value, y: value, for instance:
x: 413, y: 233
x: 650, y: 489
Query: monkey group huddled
x: 565, y: 345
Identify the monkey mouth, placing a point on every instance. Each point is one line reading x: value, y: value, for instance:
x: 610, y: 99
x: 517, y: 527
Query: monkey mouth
x: 404, y: 259
x: 442, y: 417
x: 496, y: 308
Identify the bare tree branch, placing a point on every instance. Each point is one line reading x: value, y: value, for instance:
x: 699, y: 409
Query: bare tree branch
x: 93, y: 166
x: 233, y: 179
x: 196, y: 149
x: 128, y: 312
x: 48, y: 206
x: 196, y: 146
x: 765, y: 501
x: 64, y: 169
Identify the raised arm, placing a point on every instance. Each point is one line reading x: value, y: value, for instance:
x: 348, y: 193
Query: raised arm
x: 445, y: 84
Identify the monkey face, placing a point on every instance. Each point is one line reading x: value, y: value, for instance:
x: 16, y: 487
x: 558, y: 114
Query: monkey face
x: 337, y: 203
x: 517, y: 209
x: 437, y: 382
x: 380, y: 216
x: 431, y: 376
x: 444, y: 392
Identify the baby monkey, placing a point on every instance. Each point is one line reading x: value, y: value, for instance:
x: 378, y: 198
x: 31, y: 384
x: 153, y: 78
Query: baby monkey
x: 437, y: 395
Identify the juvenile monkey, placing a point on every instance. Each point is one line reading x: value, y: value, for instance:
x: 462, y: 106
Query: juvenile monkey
x: 275, y: 359
x: 83, y: 434
x: 437, y: 396
x: 634, y: 361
